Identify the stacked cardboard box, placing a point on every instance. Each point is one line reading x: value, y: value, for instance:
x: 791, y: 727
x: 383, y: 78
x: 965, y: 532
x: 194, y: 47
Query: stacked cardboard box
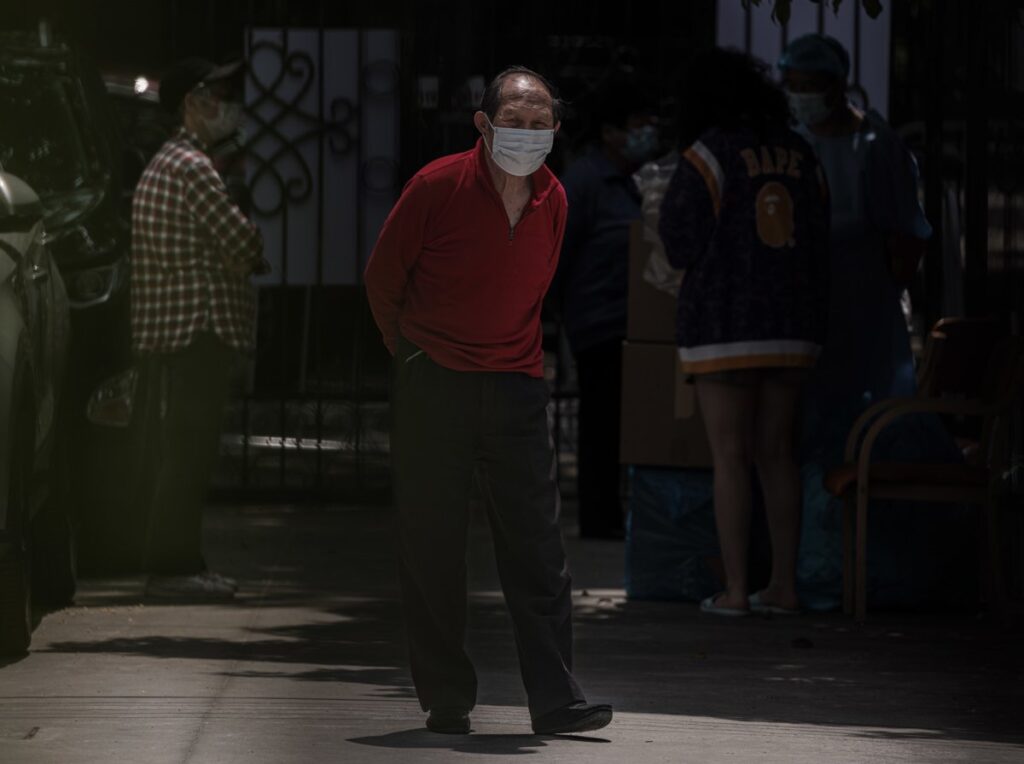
x: 661, y: 423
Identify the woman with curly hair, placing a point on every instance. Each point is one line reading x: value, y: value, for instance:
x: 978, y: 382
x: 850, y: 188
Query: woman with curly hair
x: 746, y: 214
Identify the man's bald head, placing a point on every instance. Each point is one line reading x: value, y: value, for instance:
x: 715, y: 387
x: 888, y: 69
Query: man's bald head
x: 524, y: 87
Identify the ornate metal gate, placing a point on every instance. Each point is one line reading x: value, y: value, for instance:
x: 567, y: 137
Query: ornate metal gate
x: 322, y: 168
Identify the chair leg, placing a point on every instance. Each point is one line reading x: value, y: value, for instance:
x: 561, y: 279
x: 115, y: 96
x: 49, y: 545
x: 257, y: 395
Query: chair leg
x: 861, y: 586
x: 849, y: 508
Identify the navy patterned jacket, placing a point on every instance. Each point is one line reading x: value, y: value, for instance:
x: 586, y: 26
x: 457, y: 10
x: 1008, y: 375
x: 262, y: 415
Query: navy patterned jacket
x: 747, y: 216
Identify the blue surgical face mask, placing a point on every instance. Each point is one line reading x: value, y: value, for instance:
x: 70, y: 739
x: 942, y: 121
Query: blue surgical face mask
x: 520, y: 152
x: 228, y: 119
x: 809, y: 108
x: 641, y: 143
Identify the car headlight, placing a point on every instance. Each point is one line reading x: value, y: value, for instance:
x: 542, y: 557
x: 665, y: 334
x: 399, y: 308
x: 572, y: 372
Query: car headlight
x: 93, y: 286
x: 111, y: 404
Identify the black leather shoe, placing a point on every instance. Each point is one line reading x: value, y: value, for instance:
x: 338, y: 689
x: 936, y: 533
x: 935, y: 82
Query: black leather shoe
x: 576, y: 717
x: 448, y: 721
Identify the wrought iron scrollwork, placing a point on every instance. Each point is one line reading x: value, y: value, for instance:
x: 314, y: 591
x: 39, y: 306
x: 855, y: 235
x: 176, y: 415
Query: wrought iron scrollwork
x: 340, y: 130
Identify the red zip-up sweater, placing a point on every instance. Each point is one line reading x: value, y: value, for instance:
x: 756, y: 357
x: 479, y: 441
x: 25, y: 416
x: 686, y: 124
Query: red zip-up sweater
x: 452, y: 276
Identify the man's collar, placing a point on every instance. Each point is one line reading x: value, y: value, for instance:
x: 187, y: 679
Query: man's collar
x: 184, y: 134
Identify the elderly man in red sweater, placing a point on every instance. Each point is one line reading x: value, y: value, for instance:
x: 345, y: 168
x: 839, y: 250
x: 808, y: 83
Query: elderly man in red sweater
x: 456, y: 283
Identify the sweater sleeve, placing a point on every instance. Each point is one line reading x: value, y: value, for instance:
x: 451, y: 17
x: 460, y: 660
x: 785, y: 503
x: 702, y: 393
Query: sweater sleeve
x: 237, y: 240
x: 688, y: 215
x: 394, y: 256
x: 892, y: 177
x: 560, y: 216
x: 819, y: 219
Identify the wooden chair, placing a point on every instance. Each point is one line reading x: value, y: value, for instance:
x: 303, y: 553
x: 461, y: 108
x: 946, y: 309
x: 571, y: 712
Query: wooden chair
x: 977, y: 481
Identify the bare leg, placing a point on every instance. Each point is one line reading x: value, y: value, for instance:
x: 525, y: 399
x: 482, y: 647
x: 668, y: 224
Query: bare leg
x: 780, y: 482
x: 728, y: 412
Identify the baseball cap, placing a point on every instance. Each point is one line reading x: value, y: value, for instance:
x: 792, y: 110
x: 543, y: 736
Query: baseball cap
x: 187, y: 74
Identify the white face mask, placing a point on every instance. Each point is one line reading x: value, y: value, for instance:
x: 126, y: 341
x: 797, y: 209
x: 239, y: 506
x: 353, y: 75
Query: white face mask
x: 520, y: 152
x: 228, y: 120
x: 809, y: 108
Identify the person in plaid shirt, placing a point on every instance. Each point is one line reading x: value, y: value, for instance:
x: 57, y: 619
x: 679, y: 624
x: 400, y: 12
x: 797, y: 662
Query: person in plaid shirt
x: 193, y: 313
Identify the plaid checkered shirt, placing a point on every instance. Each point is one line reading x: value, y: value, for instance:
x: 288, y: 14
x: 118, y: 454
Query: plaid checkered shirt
x: 193, y: 253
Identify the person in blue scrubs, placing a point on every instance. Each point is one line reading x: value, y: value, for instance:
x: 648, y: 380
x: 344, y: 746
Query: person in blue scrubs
x: 878, y: 235
x: 878, y: 230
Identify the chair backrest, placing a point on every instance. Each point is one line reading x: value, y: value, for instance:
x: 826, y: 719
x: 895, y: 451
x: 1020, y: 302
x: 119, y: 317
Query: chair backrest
x: 957, y: 351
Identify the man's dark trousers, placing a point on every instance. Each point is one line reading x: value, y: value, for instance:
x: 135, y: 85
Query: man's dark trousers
x: 447, y: 425
x: 182, y: 400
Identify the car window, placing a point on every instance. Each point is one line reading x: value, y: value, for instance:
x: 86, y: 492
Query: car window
x: 44, y: 136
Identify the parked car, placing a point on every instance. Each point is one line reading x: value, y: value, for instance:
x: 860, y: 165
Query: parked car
x: 36, y: 549
x: 61, y: 136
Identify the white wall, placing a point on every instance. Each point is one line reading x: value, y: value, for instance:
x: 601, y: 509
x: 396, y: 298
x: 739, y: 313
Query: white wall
x: 766, y: 38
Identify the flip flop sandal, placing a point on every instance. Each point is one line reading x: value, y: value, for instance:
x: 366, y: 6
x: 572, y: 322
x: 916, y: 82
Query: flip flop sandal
x: 757, y: 605
x: 708, y: 606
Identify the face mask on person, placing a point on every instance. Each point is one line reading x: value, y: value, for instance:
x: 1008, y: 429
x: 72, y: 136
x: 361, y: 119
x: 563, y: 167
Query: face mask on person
x: 809, y: 108
x: 520, y: 152
x: 641, y: 143
x: 227, y: 121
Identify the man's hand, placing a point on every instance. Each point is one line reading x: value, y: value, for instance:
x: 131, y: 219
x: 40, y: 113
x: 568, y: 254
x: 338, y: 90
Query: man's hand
x: 258, y: 268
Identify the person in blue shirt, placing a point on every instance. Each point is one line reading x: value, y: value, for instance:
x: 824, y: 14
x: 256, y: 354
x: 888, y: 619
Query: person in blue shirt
x: 591, y: 286
x: 878, y: 236
x: 879, y: 230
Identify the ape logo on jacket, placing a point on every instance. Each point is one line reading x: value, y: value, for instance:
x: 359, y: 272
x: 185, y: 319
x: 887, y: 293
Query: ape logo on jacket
x: 774, y: 204
x: 774, y: 207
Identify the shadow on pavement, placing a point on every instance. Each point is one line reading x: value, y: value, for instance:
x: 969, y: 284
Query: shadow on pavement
x: 11, y: 660
x: 504, y: 745
x: 330, y: 614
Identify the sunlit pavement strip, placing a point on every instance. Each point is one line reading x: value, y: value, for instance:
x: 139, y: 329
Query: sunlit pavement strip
x: 140, y: 729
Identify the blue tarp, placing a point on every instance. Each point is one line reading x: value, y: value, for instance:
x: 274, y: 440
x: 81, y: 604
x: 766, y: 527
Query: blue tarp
x: 919, y: 554
x: 670, y: 535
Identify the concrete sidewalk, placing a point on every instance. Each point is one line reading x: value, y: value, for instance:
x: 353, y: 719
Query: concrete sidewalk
x: 307, y: 665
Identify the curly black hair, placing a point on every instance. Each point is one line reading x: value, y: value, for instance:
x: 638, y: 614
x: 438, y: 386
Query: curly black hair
x: 727, y: 89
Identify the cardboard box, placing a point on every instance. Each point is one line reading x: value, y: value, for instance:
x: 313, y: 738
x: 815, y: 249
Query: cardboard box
x: 650, y: 312
x: 661, y: 422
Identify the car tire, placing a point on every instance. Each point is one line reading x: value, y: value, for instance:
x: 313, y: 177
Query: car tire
x: 15, y: 604
x: 15, y: 569
x: 53, y: 559
x: 54, y: 563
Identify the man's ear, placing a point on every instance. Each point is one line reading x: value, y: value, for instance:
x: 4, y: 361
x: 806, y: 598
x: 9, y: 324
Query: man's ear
x: 557, y: 126
x: 190, y: 103
x: 480, y: 122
